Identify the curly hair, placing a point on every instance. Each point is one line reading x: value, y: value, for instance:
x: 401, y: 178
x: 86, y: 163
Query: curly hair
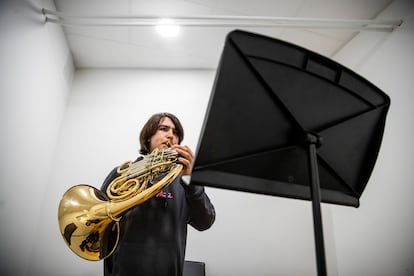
x: 151, y: 126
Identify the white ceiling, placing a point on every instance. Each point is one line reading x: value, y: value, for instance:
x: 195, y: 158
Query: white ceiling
x: 200, y: 47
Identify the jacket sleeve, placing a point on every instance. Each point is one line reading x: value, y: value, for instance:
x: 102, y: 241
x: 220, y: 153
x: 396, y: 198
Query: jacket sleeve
x: 202, y: 212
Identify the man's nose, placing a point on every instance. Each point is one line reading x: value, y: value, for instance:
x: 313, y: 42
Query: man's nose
x: 170, y: 134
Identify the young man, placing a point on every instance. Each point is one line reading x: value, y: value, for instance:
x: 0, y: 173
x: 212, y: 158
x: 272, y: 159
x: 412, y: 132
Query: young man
x: 154, y: 233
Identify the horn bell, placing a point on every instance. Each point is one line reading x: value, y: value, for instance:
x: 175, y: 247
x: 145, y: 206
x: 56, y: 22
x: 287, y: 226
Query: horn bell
x: 84, y: 224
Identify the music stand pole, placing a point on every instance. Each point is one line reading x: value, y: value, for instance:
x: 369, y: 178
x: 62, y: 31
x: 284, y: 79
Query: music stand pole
x: 314, y: 141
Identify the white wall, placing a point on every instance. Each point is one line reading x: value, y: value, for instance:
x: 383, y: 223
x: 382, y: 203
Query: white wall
x: 378, y: 238
x: 35, y: 75
x: 105, y: 113
x: 253, y: 234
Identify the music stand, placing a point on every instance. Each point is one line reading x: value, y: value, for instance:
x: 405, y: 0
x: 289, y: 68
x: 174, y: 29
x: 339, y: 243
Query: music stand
x: 285, y: 121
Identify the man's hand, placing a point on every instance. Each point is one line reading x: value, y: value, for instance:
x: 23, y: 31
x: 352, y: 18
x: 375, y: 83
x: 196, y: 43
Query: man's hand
x: 185, y: 157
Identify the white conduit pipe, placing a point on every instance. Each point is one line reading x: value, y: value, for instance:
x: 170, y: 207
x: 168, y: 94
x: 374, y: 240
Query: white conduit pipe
x: 220, y: 21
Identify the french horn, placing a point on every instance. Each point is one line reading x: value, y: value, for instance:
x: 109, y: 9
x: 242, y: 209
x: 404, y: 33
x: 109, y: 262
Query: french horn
x: 89, y: 219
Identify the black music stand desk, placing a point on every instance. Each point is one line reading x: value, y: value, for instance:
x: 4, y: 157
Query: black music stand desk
x: 285, y: 121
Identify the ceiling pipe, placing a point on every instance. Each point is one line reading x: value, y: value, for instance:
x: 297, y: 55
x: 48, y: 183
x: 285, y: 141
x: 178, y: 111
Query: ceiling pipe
x: 219, y: 21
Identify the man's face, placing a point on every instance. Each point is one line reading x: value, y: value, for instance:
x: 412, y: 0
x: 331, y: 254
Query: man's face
x: 165, y: 134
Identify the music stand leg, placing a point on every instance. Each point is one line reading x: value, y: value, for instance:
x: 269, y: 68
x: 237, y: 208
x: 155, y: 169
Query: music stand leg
x: 316, y: 205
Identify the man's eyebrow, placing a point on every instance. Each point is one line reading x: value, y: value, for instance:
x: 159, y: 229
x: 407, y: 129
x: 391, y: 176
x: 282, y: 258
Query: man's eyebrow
x: 166, y: 126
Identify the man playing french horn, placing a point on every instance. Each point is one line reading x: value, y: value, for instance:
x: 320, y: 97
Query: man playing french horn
x: 153, y: 234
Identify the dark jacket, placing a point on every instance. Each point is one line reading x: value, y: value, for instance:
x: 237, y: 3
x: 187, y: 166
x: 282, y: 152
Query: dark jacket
x: 154, y: 233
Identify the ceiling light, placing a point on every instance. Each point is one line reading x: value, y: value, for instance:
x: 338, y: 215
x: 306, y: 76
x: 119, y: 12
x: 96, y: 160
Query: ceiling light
x: 167, y: 28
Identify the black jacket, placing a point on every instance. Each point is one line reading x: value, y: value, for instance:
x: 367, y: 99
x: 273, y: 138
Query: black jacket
x: 154, y: 233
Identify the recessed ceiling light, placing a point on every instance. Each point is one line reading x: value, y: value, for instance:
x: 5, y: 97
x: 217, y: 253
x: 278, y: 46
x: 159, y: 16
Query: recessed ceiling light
x: 167, y: 28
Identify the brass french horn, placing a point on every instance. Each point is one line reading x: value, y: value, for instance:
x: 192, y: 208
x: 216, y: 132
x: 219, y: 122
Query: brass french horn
x: 89, y: 219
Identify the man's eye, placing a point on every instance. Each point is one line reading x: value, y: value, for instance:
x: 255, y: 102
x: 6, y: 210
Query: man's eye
x: 164, y: 128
